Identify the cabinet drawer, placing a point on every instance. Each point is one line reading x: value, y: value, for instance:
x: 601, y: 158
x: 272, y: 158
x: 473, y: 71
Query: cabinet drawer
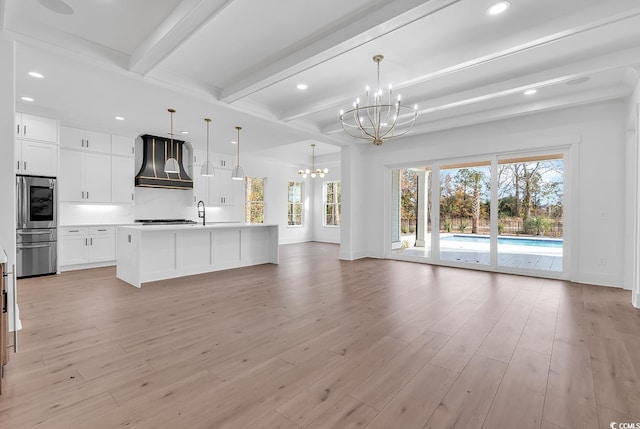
x: 74, y: 230
x: 102, y: 230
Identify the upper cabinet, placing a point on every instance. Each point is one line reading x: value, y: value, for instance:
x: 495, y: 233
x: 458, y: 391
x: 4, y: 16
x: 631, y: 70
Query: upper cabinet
x: 36, y: 158
x: 75, y: 138
x: 217, y: 190
x: 123, y: 146
x: 36, y: 128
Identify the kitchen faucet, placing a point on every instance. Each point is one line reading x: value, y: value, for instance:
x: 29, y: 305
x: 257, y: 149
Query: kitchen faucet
x: 202, y: 212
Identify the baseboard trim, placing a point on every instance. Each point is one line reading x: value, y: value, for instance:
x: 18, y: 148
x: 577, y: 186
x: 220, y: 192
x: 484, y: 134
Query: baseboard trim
x: 635, y: 300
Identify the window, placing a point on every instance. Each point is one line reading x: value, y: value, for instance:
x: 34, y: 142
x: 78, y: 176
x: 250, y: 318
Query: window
x: 294, y: 210
x: 332, y: 199
x: 254, y: 200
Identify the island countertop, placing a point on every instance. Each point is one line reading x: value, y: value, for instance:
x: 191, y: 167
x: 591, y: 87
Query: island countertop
x: 148, y: 253
x: 192, y: 226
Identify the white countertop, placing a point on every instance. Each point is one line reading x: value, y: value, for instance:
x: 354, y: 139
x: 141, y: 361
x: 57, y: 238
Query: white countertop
x: 181, y: 227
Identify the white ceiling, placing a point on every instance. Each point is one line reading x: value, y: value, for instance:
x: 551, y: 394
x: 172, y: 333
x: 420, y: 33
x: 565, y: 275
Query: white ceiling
x: 239, y: 61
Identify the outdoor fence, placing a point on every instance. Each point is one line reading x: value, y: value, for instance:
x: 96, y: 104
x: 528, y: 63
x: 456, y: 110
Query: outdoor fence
x: 509, y: 226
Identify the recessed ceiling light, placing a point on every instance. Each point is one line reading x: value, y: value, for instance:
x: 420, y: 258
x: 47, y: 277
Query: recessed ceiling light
x: 498, y: 8
x: 57, y: 6
x: 184, y: 132
x: 578, y: 80
x: 530, y: 91
x: 119, y: 118
x: 302, y: 86
x: 234, y: 142
x: 26, y: 98
x: 36, y: 74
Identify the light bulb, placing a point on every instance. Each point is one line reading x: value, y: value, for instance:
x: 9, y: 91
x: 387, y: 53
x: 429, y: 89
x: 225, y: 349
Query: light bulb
x: 313, y: 175
x: 304, y: 176
x: 321, y: 174
x: 326, y: 170
x: 307, y: 171
x: 300, y: 171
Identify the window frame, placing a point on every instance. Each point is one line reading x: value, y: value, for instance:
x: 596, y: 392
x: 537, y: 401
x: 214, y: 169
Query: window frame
x: 291, y: 205
x: 337, y: 205
x: 248, y: 203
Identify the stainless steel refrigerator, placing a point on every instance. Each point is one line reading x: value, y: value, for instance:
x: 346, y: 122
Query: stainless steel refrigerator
x: 36, y: 226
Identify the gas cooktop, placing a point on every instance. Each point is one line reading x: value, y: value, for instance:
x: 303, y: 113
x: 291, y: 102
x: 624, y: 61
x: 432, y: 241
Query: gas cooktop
x: 164, y: 221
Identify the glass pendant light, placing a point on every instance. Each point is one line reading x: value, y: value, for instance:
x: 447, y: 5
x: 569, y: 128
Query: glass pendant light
x: 171, y: 164
x: 238, y: 172
x: 207, y: 167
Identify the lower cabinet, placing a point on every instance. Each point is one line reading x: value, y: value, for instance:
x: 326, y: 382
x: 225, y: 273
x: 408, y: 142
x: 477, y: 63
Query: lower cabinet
x: 4, y: 332
x: 87, y: 246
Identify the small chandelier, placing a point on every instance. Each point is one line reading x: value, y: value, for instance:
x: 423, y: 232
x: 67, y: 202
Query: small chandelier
x: 314, y: 171
x: 171, y: 163
x: 376, y: 121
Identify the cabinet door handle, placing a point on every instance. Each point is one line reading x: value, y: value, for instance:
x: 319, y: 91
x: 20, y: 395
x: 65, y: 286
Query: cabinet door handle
x: 24, y: 165
x: 18, y: 129
x: 24, y: 129
x: 82, y: 143
x: 87, y: 142
x: 91, y: 241
x: 83, y: 195
x: 18, y: 165
x: 87, y: 191
x: 133, y: 151
x: 131, y: 197
x: 74, y: 230
x: 86, y: 241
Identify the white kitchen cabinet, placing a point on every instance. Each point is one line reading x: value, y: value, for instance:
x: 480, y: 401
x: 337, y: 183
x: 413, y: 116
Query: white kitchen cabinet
x: 123, y: 146
x: 216, y: 190
x: 223, y: 160
x: 86, y: 246
x: 123, y: 179
x: 221, y: 188
x: 200, y: 187
x: 75, y: 138
x: 36, y: 128
x: 36, y: 158
x: 84, y: 177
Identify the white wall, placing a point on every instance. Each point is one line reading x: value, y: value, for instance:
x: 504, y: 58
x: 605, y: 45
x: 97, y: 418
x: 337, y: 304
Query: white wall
x: 7, y: 178
x: 632, y: 221
x: 326, y: 234
x: 276, y: 196
x: 597, y: 221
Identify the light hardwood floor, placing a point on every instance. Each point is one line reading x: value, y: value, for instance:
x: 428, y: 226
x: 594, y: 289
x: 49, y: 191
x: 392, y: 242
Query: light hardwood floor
x: 320, y: 343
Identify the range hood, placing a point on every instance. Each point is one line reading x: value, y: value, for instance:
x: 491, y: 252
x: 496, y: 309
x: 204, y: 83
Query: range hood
x: 155, y: 152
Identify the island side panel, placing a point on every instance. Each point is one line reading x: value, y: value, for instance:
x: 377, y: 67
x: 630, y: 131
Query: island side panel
x: 127, y: 255
x: 158, y: 255
x: 225, y: 248
x: 274, y: 246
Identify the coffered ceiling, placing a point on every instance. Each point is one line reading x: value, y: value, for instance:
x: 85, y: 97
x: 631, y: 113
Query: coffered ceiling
x: 240, y: 61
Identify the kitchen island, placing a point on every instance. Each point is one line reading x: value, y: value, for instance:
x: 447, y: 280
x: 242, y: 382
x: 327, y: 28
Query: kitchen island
x: 148, y: 253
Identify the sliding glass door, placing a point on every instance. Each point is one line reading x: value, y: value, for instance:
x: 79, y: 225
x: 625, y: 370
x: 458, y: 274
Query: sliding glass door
x: 530, y: 212
x: 465, y: 194
x: 504, y: 213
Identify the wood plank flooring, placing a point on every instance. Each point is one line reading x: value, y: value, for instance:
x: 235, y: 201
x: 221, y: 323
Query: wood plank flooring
x: 320, y: 343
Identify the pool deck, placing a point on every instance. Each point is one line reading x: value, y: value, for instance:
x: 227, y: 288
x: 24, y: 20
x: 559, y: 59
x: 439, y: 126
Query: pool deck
x: 540, y: 258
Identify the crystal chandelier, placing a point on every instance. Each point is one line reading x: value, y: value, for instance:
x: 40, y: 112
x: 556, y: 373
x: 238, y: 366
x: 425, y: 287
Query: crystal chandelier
x: 379, y: 119
x: 314, y: 171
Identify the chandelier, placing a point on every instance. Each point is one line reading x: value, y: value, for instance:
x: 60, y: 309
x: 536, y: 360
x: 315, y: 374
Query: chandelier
x: 314, y: 171
x: 378, y: 119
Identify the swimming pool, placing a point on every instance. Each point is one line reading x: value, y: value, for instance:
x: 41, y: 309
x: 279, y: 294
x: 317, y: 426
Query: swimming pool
x: 515, y: 241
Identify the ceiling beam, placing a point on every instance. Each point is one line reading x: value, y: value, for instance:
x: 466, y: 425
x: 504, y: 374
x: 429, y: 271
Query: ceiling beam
x: 334, y: 104
x: 180, y: 25
x: 335, y: 41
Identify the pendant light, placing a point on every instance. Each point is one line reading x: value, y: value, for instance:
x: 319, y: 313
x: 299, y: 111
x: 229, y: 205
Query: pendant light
x: 207, y: 167
x: 171, y: 164
x: 238, y: 172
